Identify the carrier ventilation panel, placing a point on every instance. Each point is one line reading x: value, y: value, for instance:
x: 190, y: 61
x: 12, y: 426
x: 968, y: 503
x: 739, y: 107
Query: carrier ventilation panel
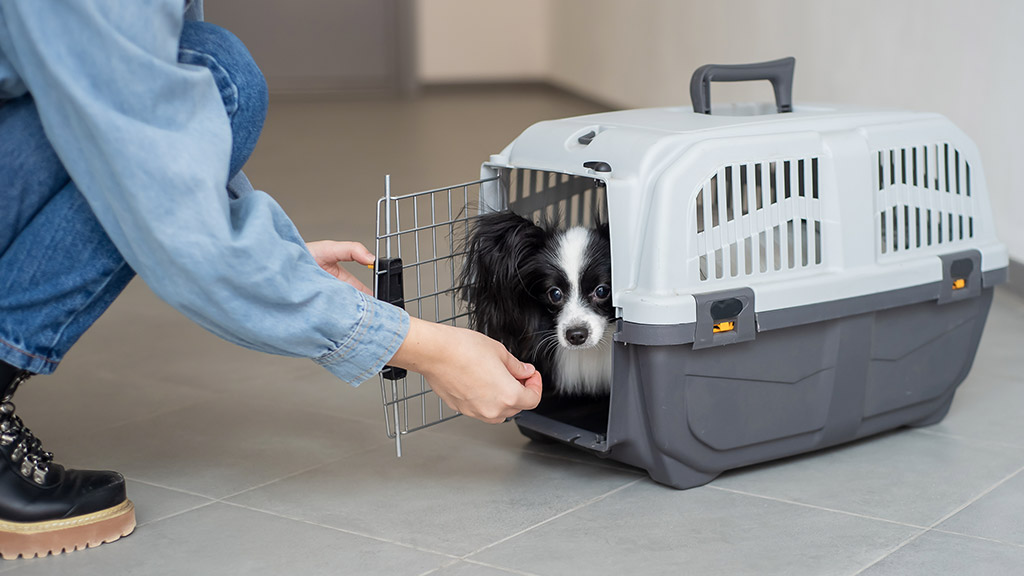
x: 923, y: 198
x: 759, y: 218
x: 565, y: 199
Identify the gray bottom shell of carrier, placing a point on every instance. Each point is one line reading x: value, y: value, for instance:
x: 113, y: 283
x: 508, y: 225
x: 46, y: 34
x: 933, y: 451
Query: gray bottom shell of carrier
x: 687, y: 415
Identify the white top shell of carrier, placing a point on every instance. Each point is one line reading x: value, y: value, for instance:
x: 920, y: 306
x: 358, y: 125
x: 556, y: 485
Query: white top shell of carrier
x: 816, y: 205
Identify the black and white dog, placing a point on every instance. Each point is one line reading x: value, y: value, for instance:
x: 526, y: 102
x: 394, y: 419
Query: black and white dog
x: 545, y: 294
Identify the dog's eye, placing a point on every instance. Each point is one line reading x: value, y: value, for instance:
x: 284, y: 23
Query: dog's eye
x: 603, y: 291
x: 555, y: 295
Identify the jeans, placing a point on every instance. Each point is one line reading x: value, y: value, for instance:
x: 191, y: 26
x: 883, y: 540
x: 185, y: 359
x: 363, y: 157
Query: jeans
x: 59, y: 270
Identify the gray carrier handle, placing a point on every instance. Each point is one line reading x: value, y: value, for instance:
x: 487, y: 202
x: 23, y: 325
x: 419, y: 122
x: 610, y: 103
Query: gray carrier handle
x: 778, y: 72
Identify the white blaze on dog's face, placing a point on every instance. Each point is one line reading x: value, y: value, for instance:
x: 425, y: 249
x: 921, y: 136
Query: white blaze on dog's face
x: 583, y: 297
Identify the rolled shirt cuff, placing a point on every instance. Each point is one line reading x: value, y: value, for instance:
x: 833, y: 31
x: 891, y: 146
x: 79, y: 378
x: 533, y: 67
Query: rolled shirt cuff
x: 377, y: 337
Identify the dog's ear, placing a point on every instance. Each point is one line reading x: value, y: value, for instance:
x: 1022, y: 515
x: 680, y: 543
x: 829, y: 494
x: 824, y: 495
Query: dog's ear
x: 491, y: 281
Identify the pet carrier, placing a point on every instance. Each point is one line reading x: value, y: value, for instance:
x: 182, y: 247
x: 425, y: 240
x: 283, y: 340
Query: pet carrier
x: 786, y: 278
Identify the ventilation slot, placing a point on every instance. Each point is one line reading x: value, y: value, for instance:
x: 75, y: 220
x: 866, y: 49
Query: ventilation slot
x: 759, y: 218
x: 564, y: 199
x: 923, y: 197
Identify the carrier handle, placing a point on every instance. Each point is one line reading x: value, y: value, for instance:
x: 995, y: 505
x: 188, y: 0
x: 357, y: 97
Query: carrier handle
x: 778, y: 72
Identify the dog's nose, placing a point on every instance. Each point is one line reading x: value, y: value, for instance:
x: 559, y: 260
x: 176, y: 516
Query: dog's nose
x: 577, y: 336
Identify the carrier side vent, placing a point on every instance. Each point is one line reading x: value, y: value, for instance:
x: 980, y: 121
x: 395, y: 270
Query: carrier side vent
x: 759, y: 218
x: 923, y: 197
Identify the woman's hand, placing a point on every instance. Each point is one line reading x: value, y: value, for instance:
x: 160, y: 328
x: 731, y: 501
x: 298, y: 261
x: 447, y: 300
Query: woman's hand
x: 472, y: 373
x: 330, y: 254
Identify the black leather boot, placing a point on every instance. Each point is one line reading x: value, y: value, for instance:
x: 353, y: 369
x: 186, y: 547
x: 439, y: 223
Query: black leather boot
x: 44, y: 507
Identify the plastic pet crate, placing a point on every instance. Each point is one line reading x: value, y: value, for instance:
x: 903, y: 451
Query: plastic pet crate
x: 786, y: 278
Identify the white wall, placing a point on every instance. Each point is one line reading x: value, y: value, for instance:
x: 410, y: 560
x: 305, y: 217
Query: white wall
x: 482, y: 40
x: 962, y: 59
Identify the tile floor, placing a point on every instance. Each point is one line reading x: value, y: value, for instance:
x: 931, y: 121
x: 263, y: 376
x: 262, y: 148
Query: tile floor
x: 241, y: 463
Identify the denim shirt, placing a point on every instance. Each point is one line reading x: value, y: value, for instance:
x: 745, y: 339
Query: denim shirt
x: 147, y: 141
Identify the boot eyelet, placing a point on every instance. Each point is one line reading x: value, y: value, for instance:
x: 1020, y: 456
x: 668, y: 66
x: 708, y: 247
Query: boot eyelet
x: 39, y: 474
x: 19, y: 452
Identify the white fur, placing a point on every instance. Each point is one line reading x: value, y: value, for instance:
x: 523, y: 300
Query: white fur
x: 572, y: 255
x: 584, y: 368
x: 587, y: 370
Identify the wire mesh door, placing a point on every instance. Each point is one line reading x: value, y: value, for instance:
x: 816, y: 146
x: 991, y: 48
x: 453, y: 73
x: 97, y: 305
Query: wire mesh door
x: 420, y: 242
x: 420, y: 249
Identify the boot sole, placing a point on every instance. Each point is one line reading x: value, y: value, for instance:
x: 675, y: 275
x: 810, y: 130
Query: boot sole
x: 31, y: 539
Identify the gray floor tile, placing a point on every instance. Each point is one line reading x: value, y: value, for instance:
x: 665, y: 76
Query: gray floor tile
x: 444, y: 495
x: 71, y: 402
x: 221, y: 447
x: 988, y: 404
x: 224, y: 539
x: 651, y: 529
x: 999, y: 352
x: 1009, y: 299
x: 938, y: 554
x: 998, y: 515
x: 905, y: 476
x: 987, y: 408
x: 154, y: 503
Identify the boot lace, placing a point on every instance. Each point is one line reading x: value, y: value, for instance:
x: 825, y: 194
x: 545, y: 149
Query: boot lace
x: 28, y: 455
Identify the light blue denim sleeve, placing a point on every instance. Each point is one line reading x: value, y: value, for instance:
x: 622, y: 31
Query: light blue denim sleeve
x: 147, y: 142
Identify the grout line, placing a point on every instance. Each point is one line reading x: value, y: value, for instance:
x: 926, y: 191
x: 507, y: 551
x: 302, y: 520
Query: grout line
x: 555, y: 517
x: 353, y: 454
x: 943, y: 519
x: 158, y: 413
x: 346, y: 531
x: 179, y: 513
x: 291, y: 475
x: 892, y: 551
x: 816, y: 507
x: 974, y: 537
x: 976, y: 498
x: 172, y: 488
x: 992, y: 443
x: 209, y: 500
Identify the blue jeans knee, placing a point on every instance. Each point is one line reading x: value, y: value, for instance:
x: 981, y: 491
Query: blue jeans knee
x: 242, y: 86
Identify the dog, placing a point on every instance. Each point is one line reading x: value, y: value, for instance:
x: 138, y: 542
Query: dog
x: 546, y: 295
